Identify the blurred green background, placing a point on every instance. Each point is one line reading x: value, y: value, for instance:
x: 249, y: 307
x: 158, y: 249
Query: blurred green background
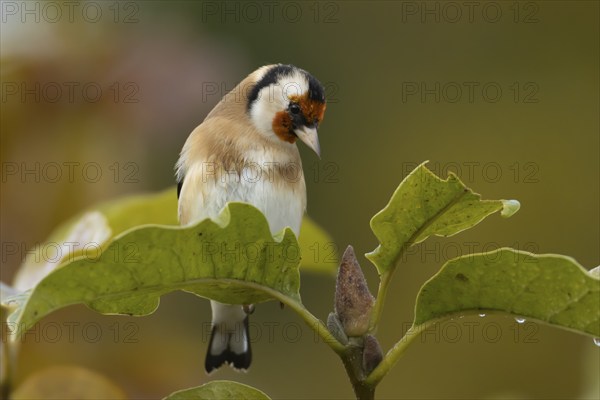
x: 99, y: 97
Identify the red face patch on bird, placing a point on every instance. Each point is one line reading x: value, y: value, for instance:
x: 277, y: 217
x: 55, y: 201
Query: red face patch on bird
x: 313, y: 110
x: 283, y: 127
x: 302, y: 111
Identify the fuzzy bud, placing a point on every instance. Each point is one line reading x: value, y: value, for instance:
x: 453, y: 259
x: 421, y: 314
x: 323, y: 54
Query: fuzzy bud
x: 372, y: 354
x: 353, y: 301
x: 335, y: 327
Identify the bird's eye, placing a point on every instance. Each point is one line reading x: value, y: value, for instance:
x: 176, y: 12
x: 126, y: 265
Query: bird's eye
x: 294, y: 108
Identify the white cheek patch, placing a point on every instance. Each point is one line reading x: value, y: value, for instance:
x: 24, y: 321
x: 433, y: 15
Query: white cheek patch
x: 263, y: 111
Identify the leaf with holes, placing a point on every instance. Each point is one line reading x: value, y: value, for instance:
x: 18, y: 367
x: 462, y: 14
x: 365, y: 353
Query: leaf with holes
x: 551, y: 288
x: 425, y: 205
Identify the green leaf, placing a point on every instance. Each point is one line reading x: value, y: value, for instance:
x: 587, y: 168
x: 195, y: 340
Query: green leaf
x: 551, y: 288
x: 425, y: 205
x: 312, y: 237
x: 155, y: 208
x: 92, y: 229
x: 128, y: 212
x: 219, y: 390
x: 161, y: 209
x: 233, y: 260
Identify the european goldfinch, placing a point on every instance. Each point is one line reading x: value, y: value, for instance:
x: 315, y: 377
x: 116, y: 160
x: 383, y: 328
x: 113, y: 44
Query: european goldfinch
x: 245, y: 151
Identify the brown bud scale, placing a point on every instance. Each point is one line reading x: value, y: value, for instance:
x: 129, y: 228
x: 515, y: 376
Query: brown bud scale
x: 353, y: 300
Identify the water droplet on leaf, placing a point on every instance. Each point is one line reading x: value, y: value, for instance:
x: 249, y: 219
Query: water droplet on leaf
x: 520, y: 320
x: 509, y: 208
x: 597, y: 341
x: 482, y: 315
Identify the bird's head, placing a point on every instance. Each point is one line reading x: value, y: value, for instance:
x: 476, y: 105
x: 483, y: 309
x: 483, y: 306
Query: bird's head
x: 287, y: 103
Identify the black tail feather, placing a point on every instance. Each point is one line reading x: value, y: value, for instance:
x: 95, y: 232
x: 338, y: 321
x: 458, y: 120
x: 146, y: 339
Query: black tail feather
x: 237, y: 361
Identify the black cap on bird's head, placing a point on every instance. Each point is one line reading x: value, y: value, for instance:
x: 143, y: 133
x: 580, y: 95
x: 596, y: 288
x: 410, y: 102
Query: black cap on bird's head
x: 288, y: 103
